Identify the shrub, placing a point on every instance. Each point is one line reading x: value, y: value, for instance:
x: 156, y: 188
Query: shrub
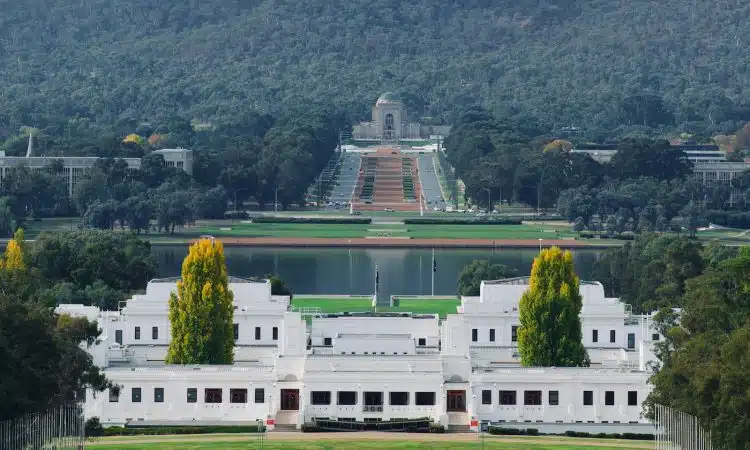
x: 514, y: 431
x: 731, y: 219
x: 314, y: 220
x: 437, y: 428
x: 149, y: 431
x: 93, y: 427
x: 463, y: 221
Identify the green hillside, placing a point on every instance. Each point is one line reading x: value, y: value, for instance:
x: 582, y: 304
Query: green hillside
x: 591, y: 63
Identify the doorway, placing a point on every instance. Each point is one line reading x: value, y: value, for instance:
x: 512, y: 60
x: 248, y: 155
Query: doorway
x: 290, y: 399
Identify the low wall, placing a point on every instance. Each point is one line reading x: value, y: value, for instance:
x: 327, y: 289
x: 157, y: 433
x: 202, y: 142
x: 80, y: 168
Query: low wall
x: 593, y: 428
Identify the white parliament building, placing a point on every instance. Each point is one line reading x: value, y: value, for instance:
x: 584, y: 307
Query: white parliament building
x: 367, y: 367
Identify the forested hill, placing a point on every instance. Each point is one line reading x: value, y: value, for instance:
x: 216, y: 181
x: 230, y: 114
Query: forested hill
x: 592, y: 63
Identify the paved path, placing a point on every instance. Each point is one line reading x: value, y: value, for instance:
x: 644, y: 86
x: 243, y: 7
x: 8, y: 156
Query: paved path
x: 408, y: 243
x: 373, y: 436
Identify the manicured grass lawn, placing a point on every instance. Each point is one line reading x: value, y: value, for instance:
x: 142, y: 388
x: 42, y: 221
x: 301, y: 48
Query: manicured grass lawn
x: 440, y: 306
x: 425, y: 306
x: 490, y: 443
x: 334, y: 305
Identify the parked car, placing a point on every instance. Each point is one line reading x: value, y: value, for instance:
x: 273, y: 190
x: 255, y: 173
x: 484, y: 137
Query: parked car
x: 389, y: 210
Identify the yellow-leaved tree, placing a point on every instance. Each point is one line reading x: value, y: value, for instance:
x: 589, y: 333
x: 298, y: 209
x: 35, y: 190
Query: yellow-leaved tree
x: 201, y: 313
x: 14, y: 256
x: 549, y: 312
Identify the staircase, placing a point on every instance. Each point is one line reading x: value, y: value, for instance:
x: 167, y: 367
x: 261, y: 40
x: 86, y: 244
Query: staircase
x: 387, y: 181
x: 286, y: 427
x: 458, y: 428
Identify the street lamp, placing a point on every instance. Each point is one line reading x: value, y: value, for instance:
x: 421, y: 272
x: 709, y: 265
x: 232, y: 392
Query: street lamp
x: 540, y: 245
x: 489, y: 199
x: 276, y: 199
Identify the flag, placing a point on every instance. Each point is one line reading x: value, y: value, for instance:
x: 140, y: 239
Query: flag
x: 377, y: 279
x: 434, y: 263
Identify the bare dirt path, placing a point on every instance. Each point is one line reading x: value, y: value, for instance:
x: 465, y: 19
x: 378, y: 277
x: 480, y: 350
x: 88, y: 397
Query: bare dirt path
x: 373, y: 436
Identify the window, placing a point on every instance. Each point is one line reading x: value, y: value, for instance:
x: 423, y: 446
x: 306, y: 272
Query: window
x: 422, y: 342
x: 631, y: 340
x: 609, y: 398
x: 373, y: 398
x: 474, y: 335
x: 424, y: 398
x: 118, y: 336
x: 327, y: 342
x: 275, y: 333
x: 486, y: 397
x: 321, y: 397
x: 154, y: 333
x: 595, y: 336
x: 507, y: 397
x: 655, y: 337
x: 257, y: 333
x: 236, y: 331
x: 238, y: 396
x: 492, y: 335
x: 612, y: 336
x: 192, y: 395
x: 212, y: 395
x: 532, y: 398
x: 514, y: 333
x: 135, y: 395
x: 137, y: 332
x: 114, y: 395
x: 260, y: 395
x: 632, y: 398
x: 554, y: 398
x: 158, y: 395
x: 588, y: 398
x: 399, y: 398
x: 347, y: 398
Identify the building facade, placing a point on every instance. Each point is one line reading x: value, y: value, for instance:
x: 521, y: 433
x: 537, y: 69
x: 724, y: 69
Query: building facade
x: 74, y: 167
x: 366, y: 367
x: 389, y: 123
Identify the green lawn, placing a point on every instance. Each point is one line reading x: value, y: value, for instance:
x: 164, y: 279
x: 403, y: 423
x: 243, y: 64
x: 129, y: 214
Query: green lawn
x: 245, y: 442
x: 419, y: 305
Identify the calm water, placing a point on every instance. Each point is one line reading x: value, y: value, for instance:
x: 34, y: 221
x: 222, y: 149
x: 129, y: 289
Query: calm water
x: 344, y: 271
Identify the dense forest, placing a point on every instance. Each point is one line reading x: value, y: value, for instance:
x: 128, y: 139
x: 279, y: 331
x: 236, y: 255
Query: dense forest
x: 605, y: 66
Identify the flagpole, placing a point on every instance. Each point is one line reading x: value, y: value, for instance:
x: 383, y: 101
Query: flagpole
x: 433, y: 272
x: 377, y: 282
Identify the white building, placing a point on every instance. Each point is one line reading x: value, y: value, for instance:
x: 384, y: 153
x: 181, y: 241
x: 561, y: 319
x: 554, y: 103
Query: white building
x: 74, y: 167
x: 370, y: 367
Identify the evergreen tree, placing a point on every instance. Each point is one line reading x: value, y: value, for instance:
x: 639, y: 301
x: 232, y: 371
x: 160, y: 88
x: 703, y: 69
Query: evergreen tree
x: 14, y: 257
x: 550, y: 333
x: 201, y: 312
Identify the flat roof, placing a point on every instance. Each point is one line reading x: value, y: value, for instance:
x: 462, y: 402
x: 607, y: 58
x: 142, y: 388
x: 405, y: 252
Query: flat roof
x: 523, y: 281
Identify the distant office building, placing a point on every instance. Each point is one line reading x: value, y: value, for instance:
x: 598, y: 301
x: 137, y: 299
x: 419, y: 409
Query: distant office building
x: 178, y: 157
x: 74, y: 167
x: 710, y: 164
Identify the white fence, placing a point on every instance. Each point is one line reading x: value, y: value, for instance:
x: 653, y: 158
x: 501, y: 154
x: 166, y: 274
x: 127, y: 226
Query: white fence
x: 676, y: 430
x: 60, y: 428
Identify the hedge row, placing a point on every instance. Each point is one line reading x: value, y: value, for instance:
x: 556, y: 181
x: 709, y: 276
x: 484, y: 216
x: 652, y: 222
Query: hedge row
x: 315, y: 220
x: 579, y: 434
x: 149, y: 431
x: 462, y: 221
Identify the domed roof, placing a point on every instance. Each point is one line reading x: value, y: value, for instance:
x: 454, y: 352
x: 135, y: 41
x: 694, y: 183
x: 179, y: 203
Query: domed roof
x: 388, y: 97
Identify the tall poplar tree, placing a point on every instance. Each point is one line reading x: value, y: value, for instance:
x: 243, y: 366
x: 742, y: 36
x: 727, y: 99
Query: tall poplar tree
x: 14, y: 257
x: 550, y: 333
x: 201, y: 312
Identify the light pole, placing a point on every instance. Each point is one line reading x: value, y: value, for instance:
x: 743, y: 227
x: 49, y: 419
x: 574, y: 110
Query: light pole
x: 489, y: 199
x: 540, y: 245
x: 235, y: 198
x: 276, y: 199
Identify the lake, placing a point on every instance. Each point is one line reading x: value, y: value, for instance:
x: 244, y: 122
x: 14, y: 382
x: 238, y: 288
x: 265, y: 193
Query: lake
x: 352, y: 271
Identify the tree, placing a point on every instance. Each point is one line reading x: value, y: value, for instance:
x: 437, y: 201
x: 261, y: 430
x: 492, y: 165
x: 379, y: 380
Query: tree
x: 278, y: 287
x: 705, y: 357
x: 550, y: 333
x: 44, y: 364
x: 201, y: 312
x: 471, y: 276
x: 14, y: 258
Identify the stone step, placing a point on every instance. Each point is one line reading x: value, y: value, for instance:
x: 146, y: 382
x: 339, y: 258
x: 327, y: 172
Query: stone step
x: 285, y: 427
x: 458, y: 428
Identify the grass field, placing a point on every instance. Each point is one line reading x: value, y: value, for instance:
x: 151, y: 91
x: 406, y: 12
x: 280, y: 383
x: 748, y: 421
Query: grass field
x: 395, y: 229
x: 359, y: 441
x: 418, y: 305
